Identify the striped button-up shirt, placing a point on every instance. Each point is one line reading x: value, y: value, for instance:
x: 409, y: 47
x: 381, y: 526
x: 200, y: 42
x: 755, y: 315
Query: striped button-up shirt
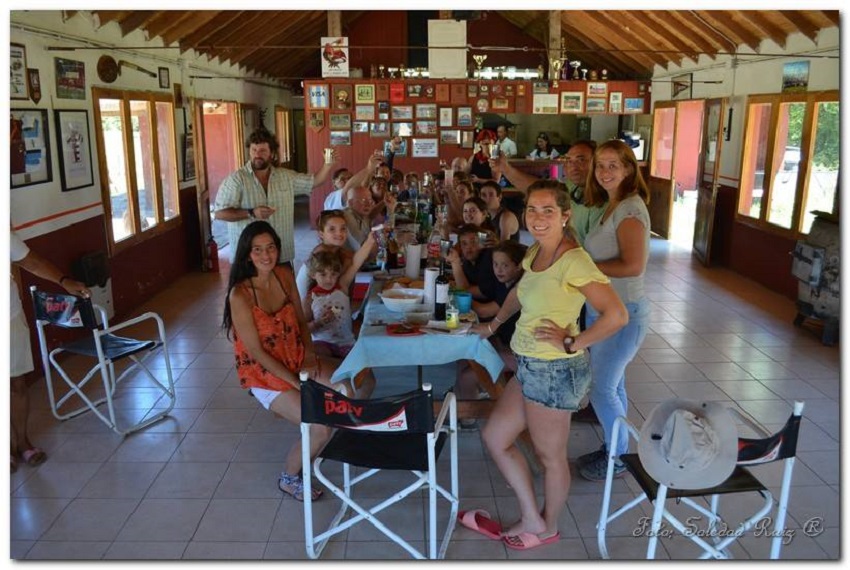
x: 242, y: 190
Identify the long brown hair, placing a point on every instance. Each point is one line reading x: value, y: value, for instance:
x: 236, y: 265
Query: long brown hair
x: 633, y: 183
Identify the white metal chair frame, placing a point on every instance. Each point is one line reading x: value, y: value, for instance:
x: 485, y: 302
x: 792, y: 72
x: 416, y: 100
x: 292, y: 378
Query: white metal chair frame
x: 719, y: 548
x: 106, y: 367
x: 316, y: 543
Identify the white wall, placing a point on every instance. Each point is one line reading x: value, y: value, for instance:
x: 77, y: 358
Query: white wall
x: 43, y: 208
x: 754, y: 74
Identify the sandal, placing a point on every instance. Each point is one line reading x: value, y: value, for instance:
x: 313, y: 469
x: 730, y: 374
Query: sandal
x: 294, y: 485
x: 34, y: 456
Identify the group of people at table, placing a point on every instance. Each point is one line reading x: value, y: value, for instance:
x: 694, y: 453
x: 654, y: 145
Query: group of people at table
x: 591, y: 237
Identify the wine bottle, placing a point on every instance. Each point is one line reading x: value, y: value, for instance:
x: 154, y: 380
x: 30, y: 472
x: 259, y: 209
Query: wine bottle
x: 392, y: 252
x: 441, y: 295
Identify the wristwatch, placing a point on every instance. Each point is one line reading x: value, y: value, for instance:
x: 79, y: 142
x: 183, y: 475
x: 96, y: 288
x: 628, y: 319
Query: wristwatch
x: 250, y: 213
x: 568, y: 344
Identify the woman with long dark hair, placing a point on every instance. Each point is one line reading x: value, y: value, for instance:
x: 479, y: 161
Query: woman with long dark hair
x: 543, y: 148
x: 272, y: 342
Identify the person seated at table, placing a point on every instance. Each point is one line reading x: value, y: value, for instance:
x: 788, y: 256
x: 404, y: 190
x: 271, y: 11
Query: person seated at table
x: 544, y: 149
x: 411, y: 187
x: 327, y: 307
x: 332, y: 230
x: 379, y: 188
x: 553, y: 368
x: 505, y: 222
x: 459, y: 164
x: 478, y: 165
x: 475, y: 213
x: 459, y: 193
x: 469, y: 260
x: 343, y: 179
x: 271, y: 340
x: 358, y: 216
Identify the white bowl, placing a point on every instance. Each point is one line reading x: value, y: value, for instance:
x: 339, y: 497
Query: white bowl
x: 400, y: 299
x: 417, y: 316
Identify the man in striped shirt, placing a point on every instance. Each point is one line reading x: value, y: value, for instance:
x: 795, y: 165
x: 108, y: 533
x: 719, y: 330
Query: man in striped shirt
x: 260, y: 191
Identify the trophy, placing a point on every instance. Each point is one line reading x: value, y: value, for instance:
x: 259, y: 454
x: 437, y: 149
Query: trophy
x: 381, y: 69
x: 575, y: 65
x: 584, y: 73
x: 604, y: 75
x: 479, y: 61
x: 556, y: 64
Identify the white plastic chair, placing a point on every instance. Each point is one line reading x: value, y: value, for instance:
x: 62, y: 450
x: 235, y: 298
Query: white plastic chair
x: 106, y: 348
x: 781, y: 446
x: 394, y: 433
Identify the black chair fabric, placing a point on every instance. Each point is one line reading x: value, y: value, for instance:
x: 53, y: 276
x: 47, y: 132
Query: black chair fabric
x: 114, y: 347
x: 381, y: 451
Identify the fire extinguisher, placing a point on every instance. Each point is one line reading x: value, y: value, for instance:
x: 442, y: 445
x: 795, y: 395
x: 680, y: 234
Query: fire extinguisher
x: 212, y: 255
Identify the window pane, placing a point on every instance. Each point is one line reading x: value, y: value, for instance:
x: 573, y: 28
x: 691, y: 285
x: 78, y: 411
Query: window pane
x: 755, y: 157
x: 112, y: 127
x: 786, y: 163
x: 662, y: 142
x: 823, y: 167
x: 140, y: 115
x: 167, y: 159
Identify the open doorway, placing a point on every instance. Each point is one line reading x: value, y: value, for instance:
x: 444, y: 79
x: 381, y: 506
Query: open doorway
x: 686, y: 170
x: 222, y: 154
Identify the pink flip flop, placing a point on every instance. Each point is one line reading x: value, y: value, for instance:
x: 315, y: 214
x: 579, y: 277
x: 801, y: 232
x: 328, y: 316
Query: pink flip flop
x: 479, y: 520
x: 527, y: 540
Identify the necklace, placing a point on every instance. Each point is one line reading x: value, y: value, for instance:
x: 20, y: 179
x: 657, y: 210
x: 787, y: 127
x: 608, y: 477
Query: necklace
x: 554, y: 255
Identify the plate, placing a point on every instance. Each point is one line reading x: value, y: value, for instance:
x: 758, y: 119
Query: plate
x: 401, y: 329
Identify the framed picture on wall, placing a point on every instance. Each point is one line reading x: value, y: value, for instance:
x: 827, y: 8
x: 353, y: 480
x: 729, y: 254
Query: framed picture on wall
x: 467, y: 139
x: 597, y: 89
x: 596, y: 104
x: 450, y: 136
x: 29, y: 138
x: 446, y: 116
x: 340, y: 121
x: 401, y: 150
x: 572, y: 102
x: 380, y: 130
x: 18, y: 87
x: 426, y: 127
x: 464, y: 116
x: 364, y: 112
x: 317, y: 121
x: 382, y: 91
x: 360, y: 126
x: 73, y: 141
x: 70, y: 78
x: 402, y: 112
x: 164, y: 78
x: 425, y: 148
x: 364, y: 93
x: 318, y: 96
x: 426, y: 111
x: 634, y: 104
x: 342, y: 97
x: 188, y: 156
x: 340, y: 138
x: 402, y: 129
x: 615, y: 102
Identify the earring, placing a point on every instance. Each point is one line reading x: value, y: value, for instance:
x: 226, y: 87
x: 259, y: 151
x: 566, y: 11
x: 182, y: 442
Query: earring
x: 564, y: 224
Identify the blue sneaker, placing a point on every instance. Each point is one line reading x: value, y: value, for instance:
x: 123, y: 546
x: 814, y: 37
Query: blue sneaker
x: 596, y: 470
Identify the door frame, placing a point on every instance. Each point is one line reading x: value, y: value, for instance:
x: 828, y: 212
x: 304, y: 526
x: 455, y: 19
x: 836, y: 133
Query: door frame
x: 662, y: 188
x: 708, y: 181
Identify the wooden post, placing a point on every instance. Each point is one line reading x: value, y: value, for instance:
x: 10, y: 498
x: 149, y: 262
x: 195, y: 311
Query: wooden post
x: 554, y: 41
x: 445, y: 14
x: 334, y: 23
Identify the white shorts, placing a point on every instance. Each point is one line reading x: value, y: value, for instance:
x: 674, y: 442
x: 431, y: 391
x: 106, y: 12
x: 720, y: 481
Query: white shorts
x: 265, y: 397
x: 20, y: 352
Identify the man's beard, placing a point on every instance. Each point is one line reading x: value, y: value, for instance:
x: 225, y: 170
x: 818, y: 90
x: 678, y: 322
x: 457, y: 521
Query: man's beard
x: 259, y: 164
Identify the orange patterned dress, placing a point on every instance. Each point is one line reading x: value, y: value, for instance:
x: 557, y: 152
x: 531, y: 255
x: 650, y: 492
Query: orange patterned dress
x: 280, y: 336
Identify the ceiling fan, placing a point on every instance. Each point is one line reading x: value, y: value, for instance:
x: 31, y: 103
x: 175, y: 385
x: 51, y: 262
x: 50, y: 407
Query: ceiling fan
x: 108, y: 69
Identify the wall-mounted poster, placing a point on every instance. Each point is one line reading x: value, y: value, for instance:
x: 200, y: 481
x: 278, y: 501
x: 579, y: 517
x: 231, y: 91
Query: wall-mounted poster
x: 342, y: 97
x: 396, y: 92
x: 795, y: 76
x: 615, y: 102
x: 30, y: 158
x: 18, y: 72
x: 340, y: 121
x: 464, y: 116
x: 318, y: 96
x: 340, y: 138
x: 572, y: 102
x: 73, y: 140
x: 544, y: 104
x: 70, y: 79
x: 425, y: 148
x: 364, y: 93
x: 335, y: 57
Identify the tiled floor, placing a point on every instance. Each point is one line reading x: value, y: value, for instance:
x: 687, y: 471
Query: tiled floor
x: 202, y: 483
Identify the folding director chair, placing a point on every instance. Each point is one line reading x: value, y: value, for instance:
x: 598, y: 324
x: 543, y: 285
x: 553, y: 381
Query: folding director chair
x: 393, y: 433
x: 69, y: 311
x: 781, y: 446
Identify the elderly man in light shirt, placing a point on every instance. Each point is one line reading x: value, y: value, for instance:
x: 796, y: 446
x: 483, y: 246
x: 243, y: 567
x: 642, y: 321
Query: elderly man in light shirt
x: 506, y: 145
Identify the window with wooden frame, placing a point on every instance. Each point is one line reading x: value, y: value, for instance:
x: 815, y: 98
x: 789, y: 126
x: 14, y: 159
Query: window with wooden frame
x: 137, y: 156
x: 283, y: 128
x: 790, y: 160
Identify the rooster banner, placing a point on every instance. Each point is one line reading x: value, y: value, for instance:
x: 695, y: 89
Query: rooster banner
x: 335, y: 57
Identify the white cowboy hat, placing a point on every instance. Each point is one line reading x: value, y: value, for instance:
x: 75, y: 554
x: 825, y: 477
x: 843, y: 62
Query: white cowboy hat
x: 689, y: 445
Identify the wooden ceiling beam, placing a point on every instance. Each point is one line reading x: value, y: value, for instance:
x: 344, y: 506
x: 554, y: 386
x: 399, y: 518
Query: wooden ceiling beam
x: 199, y: 20
x: 833, y: 16
x: 595, y: 47
x: 675, y: 47
x: 309, y: 31
x: 106, y: 16
x: 275, y: 32
x: 698, y: 32
x: 239, y: 33
x: 804, y: 24
x: 605, y: 21
x: 300, y: 63
x: 135, y: 20
x: 760, y: 19
x: 201, y: 35
x: 167, y: 20
x: 690, y: 45
x: 725, y: 23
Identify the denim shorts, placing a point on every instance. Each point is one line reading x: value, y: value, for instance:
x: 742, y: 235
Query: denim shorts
x: 559, y: 384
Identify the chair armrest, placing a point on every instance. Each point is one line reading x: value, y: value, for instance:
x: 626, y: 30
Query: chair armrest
x: 134, y: 321
x: 449, y: 404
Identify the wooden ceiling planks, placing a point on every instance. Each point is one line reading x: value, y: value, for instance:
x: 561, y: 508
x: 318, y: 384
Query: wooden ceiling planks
x: 629, y: 43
